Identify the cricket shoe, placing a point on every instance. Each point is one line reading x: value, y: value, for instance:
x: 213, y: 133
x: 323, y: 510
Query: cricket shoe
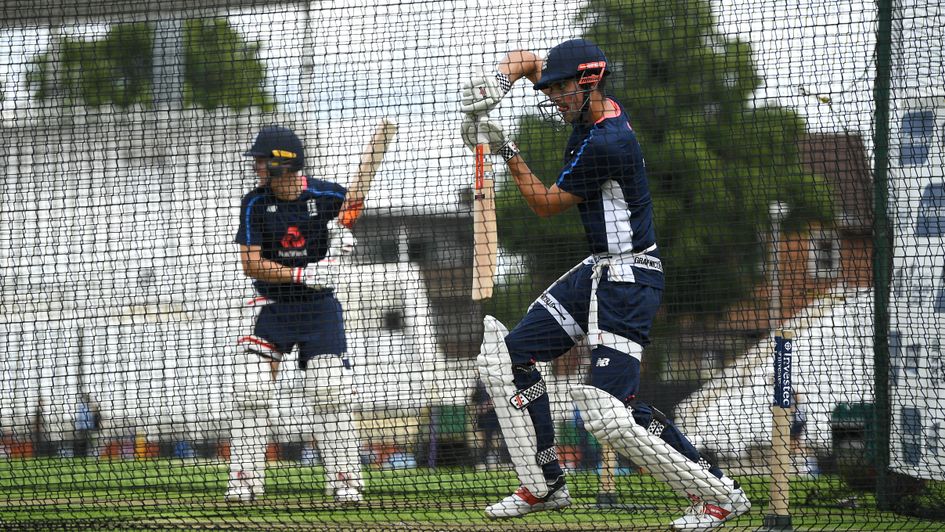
x: 522, y: 502
x: 345, y: 489
x: 348, y: 495
x: 242, y: 490
x: 703, y: 515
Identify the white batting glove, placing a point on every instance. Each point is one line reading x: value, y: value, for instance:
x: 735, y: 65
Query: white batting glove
x: 483, y: 92
x: 341, y: 240
x: 322, y: 274
x: 498, y: 142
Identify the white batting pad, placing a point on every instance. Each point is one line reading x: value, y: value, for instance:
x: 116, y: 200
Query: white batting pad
x: 328, y: 383
x: 610, y: 421
x: 249, y: 431
x: 495, y: 368
x: 339, y: 446
x: 329, y: 388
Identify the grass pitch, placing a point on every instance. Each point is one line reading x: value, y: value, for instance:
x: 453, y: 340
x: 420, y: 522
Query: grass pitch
x: 181, y: 494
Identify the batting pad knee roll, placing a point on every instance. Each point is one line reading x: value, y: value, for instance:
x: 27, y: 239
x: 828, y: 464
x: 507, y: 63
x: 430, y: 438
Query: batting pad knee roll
x: 252, y: 381
x: 610, y: 421
x: 495, y: 369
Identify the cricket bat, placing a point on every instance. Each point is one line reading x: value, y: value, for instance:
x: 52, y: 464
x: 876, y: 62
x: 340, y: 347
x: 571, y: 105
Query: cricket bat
x: 371, y: 158
x: 486, y: 238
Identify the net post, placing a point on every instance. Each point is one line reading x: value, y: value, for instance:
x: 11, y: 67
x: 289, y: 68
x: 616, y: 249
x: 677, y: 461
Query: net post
x: 607, y: 489
x: 778, y: 516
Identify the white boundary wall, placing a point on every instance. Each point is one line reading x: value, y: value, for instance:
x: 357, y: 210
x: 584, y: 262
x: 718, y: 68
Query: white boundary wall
x: 118, y: 264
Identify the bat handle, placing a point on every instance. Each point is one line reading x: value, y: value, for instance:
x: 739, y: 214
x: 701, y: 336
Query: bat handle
x: 481, y: 136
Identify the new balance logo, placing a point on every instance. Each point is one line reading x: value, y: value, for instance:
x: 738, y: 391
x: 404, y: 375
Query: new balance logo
x: 603, y: 362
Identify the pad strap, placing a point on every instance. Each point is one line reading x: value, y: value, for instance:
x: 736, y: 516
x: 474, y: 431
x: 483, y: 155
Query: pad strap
x: 561, y: 315
x: 525, y: 397
x: 596, y: 336
x: 260, y: 346
x: 547, y: 456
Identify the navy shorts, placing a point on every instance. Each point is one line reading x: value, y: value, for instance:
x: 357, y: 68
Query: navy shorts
x: 553, y: 325
x: 316, y: 327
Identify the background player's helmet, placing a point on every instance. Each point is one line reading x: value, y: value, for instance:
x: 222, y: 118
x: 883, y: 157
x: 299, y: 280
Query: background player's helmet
x: 577, y: 58
x: 282, y: 147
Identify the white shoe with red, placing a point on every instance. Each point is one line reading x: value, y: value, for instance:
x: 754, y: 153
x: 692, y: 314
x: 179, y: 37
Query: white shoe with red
x: 345, y: 489
x: 522, y: 502
x: 348, y: 495
x: 243, y: 490
x: 703, y: 515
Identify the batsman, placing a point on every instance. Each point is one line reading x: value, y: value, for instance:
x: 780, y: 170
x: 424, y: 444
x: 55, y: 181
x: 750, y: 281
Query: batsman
x: 291, y: 244
x: 608, y: 300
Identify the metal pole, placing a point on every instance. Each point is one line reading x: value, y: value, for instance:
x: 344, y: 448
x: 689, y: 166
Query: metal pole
x: 168, y: 74
x: 82, y: 374
x: 778, y: 516
x: 306, y: 88
x: 777, y: 211
x: 882, y: 255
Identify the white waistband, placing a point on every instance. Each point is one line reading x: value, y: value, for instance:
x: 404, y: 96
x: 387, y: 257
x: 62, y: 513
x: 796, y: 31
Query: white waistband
x: 640, y: 260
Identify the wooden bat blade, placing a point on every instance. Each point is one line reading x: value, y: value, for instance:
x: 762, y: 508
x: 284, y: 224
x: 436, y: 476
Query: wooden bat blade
x: 486, y: 238
x: 371, y: 158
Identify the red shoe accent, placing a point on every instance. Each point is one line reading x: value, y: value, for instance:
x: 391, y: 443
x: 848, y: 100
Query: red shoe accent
x: 716, y: 511
x: 527, y: 496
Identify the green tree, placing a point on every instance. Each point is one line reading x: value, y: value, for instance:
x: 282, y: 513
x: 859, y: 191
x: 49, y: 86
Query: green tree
x: 220, y: 68
x: 113, y: 70
x: 715, y: 161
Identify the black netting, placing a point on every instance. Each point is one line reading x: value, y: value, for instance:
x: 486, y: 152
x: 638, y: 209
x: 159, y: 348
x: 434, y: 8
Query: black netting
x: 720, y: 175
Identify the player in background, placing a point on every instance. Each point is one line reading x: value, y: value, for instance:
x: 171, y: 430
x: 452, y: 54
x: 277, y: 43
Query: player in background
x: 290, y: 245
x: 803, y: 458
x: 608, y: 300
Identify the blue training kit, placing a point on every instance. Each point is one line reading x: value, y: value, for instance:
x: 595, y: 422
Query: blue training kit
x: 294, y: 234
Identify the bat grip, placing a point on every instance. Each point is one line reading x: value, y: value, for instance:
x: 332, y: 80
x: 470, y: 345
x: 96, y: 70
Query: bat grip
x: 481, y: 136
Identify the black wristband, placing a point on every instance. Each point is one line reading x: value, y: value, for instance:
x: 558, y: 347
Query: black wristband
x: 508, y: 150
x: 504, y: 82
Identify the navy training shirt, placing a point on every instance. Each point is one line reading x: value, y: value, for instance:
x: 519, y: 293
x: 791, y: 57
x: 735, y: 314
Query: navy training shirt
x: 292, y: 233
x: 604, y: 166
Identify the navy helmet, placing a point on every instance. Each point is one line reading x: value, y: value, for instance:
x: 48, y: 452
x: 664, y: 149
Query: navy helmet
x: 281, y: 146
x: 577, y: 58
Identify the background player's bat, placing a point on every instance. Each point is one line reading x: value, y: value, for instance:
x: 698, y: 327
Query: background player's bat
x: 371, y: 158
x: 486, y: 237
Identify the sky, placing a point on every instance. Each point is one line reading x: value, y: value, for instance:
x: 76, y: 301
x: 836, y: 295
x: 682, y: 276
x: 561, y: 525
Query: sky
x: 801, y: 46
x: 806, y: 51
x: 407, y: 60
x: 810, y: 50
